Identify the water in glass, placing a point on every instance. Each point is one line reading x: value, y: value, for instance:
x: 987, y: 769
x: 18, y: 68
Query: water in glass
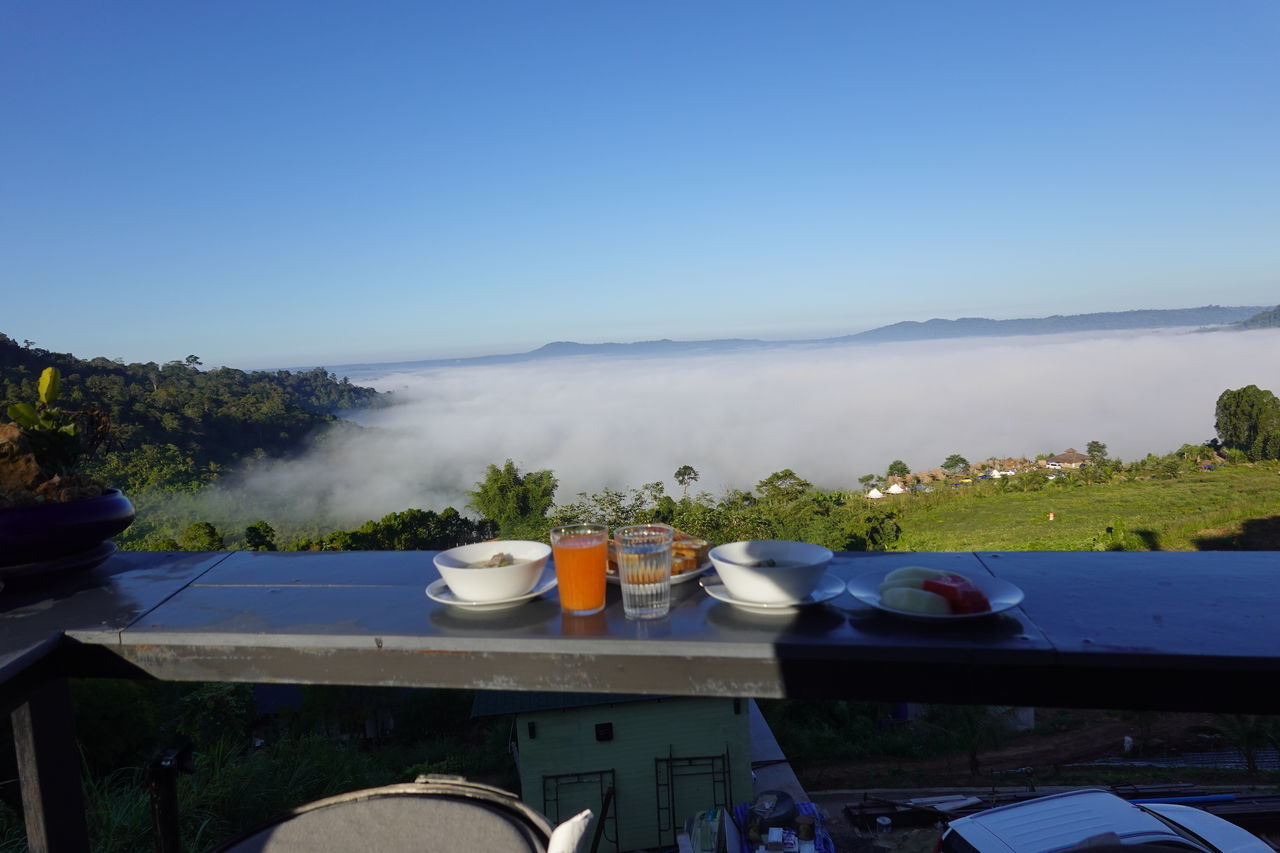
x: 644, y: 570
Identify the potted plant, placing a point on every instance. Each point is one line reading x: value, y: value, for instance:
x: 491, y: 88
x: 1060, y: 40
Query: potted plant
x: 51, y: 515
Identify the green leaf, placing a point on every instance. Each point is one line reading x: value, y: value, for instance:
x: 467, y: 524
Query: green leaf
x: 48, y: 385
x: 24, y: 415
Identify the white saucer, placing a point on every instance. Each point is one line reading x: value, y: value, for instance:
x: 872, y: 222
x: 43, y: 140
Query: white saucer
x: 828, y: 588
x: 684, y: 577
x: 439, y: 591
x: 1001, y: 594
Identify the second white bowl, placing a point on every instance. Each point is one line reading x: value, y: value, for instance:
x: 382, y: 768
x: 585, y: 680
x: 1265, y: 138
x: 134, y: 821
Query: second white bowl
x: 744, y: 569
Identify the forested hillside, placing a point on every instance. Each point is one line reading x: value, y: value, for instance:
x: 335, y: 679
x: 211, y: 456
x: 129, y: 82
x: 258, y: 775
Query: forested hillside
x: 1262, y: 320
x: 176, y: 426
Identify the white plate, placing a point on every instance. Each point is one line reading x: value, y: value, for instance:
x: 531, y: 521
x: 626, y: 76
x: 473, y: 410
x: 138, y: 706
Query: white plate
x: 439, y: 591
x: 828, y: 588
x: 684, y: 577
x: 1001, y: 594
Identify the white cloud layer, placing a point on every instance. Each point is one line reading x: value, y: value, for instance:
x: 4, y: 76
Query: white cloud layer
x: 829, y: 413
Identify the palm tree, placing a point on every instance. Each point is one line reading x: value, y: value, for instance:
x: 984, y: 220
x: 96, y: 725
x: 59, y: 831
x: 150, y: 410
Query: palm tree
x: 1247, y: 733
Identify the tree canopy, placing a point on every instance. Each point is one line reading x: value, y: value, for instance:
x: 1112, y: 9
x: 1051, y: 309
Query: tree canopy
x: 955, y: 463
x: 513, y: 500
x: 686, y: 475
x: 410, y: 530
x: 260, y: 536
x: 201, y: 536
x: 782, y: 485
x: 1248, y: 419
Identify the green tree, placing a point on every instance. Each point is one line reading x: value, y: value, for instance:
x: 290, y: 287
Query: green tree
x: 201, y: 536
x: 1248, y: 418
x: 866, y: 480
x: 1248, y: 733
x: 955, y: 463
x: 865, y: 526
x: 898, y: 468
x: 260, y: 536
x: 116, y: 722
x: 613, y: 508
x: 783, y: 485
x: 410, y: 530
x: 513, y: 500
x: 1096, y: 451
x: 686, y: 475
x: 213, y: 711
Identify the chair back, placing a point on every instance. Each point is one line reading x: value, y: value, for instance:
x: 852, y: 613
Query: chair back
x: 435, y: 813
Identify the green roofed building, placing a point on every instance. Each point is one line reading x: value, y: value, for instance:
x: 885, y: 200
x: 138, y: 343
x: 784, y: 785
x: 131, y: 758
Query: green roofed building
x: 641, y: 764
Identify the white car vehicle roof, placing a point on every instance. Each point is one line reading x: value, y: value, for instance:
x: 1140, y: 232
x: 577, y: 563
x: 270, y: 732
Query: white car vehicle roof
x: 1061, y: 821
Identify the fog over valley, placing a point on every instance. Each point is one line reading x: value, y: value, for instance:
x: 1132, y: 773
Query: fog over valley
x: 830, y: 413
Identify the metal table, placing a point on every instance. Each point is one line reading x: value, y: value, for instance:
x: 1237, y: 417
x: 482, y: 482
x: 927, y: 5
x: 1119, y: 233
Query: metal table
x: 1165, y: 630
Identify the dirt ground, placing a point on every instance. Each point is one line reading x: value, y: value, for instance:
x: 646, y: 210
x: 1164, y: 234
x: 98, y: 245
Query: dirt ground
x: 1088, y: 735
x: 1027, y: 759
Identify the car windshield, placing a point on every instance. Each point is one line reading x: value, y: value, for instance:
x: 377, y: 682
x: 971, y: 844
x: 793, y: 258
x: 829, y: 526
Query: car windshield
x: 954, y: 842
x: 1192, y: 839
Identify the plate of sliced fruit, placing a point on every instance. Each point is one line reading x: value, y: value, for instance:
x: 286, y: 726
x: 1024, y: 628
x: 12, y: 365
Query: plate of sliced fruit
x: 919, y: 592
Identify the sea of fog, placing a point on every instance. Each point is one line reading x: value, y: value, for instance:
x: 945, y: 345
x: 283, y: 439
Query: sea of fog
x: 831, y: 413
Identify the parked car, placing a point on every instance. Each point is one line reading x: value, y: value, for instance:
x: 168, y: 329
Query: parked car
x: 1093, y: 818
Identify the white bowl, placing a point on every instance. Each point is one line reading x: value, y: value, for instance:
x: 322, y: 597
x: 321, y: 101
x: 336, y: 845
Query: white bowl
x: 799, y: 568
x: 492, y: 583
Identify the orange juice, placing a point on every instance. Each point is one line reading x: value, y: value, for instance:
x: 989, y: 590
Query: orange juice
x: 580, y: 563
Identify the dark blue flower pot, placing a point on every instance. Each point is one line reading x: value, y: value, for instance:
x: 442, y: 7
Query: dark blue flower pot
x: 50, y: 531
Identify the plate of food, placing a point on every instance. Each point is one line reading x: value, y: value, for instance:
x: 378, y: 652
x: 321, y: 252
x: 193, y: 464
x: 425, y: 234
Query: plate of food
x: 688, y: 559
x: 611, y: 575
x: 919, y: 592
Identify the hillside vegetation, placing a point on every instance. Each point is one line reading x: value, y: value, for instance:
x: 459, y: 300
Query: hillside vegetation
x: 177, y: 427
x: 1269, y: 319
x: 1204, y: 509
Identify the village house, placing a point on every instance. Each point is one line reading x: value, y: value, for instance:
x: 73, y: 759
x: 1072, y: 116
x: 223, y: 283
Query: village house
x: 1069, y: 458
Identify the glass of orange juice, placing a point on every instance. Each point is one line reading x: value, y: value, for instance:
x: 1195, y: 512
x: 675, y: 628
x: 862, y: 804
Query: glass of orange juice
x: 580, y: 554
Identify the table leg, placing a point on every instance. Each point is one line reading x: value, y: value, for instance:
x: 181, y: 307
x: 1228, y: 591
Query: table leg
x: 49, y: 770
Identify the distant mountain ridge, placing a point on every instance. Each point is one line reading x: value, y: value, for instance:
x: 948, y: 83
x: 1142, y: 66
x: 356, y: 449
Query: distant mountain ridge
x: 965, y: 327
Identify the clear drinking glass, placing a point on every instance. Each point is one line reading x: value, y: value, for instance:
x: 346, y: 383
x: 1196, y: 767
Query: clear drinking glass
x: 644, y: 569
x: 581, y: 555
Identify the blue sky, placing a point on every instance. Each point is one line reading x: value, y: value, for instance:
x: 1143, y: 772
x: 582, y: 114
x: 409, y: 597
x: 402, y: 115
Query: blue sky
x: 289, y: 183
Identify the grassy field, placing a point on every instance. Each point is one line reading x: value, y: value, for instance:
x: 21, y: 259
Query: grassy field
x: 1231, y: 507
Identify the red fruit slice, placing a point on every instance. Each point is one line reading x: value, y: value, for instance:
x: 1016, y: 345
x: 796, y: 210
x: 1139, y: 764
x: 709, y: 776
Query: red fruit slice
x: 959, y: 592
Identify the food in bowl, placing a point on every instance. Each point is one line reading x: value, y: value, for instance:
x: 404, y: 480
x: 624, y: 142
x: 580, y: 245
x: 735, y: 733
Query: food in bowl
x: 499, y: 559
x: 493, y: 571
x: 770, y: 571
